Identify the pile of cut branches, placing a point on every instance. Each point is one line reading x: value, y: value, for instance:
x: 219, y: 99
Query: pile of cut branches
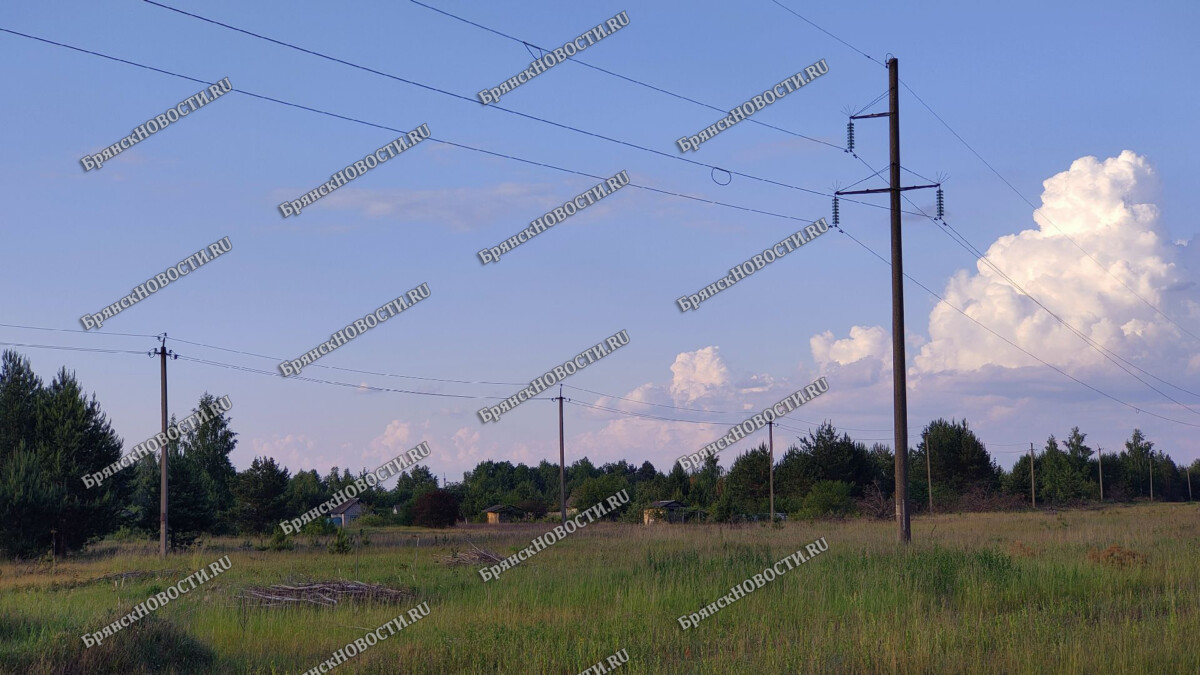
x: 476, y: 556
x: 327, y: 594
x: 137, y: 574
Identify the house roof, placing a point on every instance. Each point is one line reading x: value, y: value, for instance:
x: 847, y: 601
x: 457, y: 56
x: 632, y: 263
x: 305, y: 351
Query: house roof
x: 343, y: 507
x: 668, y: 504
x: 502, y: 508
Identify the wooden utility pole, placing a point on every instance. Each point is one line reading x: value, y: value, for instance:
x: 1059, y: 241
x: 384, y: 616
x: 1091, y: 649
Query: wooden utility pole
x: 562, y: 458
x: 162, y: 353
x: 1150, y: 458
x: 899, y: 380
x: 1100, y: 464
x: 899, y: 377
x: 771, y: 444
x: 1032, y: 485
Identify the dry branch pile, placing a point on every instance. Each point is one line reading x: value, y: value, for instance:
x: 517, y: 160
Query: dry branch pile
x: 477, y: 556
x: 328, y: 594
x: 137, y: 574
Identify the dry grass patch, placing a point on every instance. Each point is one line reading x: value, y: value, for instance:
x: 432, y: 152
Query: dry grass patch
x: 1116, y: 556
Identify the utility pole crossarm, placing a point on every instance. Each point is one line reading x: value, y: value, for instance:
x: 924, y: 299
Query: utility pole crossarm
x: 864, y: 117
x: 887, y: 189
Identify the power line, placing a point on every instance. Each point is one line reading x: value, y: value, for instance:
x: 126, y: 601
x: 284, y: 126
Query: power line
x: 579, y: 61
x: 1012, y: 187
x: 434, y: 139
x: 75, y: 330
x: 980, y: 256
x: 461, y: 97
x: 73, y: 349
x: 305, y: 378
x: 1048, y: 218
x: 353, y: 370
x: 789, y: 10
x: 703, y: 410
x: 1013, y: 344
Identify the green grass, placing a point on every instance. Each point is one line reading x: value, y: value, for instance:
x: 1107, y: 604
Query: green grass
x: 964, y: 597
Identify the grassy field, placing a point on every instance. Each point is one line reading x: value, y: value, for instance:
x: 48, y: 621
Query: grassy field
x: 1011, y: 593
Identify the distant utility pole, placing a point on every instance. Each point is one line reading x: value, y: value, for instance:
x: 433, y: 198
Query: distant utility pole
x: 1150, y: 457
x: 562, y: 458
x: 771, y: 443
x: 899, y: 383
x: 1188, y: 469
x: 1032, y: 486
x: 1100, y: 464
x: 162, y: 353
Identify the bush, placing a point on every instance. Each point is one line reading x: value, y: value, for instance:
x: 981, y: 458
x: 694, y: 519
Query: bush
x: 827, y: 498
x: 533, y: 507
x: 340, y: 544
x: 280, y: 542
x: 379, y: 520
x: 435, y: 509
x: 318, y: 527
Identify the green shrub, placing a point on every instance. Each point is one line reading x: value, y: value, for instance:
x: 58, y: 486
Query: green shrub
x: 318, y: 527
x: 340, y: 544
x: 280, y: 542
x: 379, y: 520
x: 827, y: 498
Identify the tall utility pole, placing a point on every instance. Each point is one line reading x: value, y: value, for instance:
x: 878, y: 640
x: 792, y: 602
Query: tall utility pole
x: 162, y: 353
x: 899, y: 383
x: 1032, y: 486
x: 771, y: 444
x: 562, y: 458
x: 1100, y: 464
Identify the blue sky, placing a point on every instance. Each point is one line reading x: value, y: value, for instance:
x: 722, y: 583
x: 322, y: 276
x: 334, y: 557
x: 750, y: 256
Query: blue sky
x: 1033, y: 87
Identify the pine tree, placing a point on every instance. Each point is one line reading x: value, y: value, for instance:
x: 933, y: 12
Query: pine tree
x: 208, y: 447
x: 260, y: 493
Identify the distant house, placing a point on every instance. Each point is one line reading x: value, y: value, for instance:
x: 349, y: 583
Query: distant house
x: 347, y: 512
x: 667, y: 510
x: 503, y: 513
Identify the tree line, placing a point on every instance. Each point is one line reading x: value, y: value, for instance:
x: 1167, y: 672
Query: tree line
x: 51, y: 435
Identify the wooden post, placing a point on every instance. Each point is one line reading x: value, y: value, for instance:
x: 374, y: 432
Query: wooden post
x: 1032, y: 485
x: 771, y: 440
x: 899, y: 377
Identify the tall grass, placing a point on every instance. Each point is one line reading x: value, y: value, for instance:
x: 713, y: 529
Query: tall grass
x: 1012, y: 593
